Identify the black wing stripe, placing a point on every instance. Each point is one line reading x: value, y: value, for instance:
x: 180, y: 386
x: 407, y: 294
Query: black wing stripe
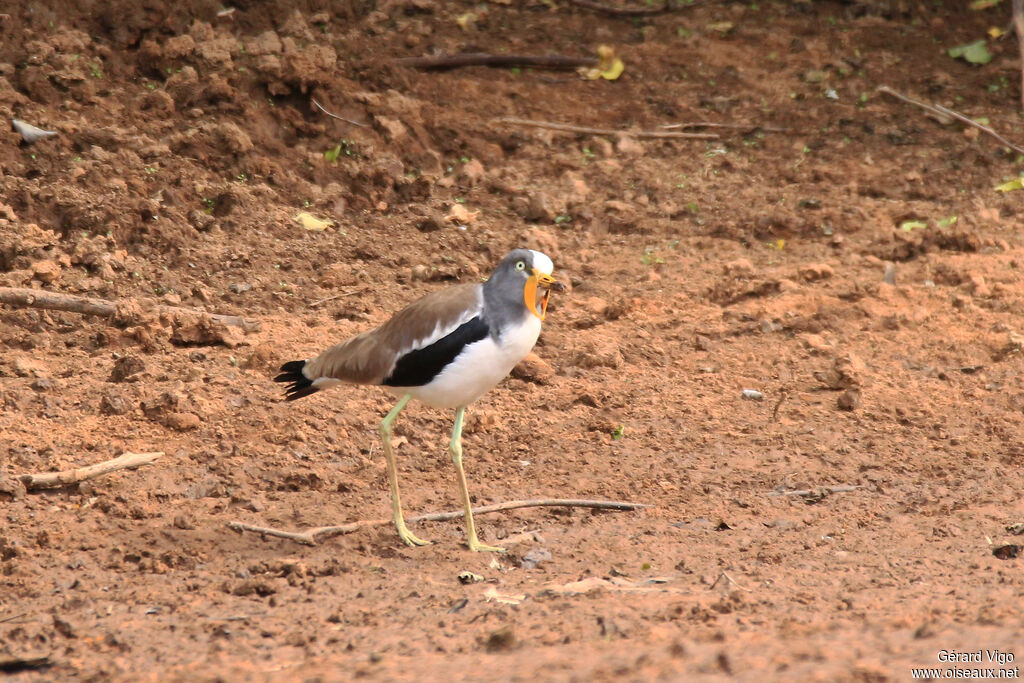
x: 419, y: 367
x: 299, y: 384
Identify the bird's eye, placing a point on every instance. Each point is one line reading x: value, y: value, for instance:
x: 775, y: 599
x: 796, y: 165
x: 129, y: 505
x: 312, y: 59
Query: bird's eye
x: 520, y: 265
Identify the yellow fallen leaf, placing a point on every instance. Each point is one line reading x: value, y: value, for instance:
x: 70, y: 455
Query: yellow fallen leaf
x: 609, y: 67
x: 466, y: 21
x: 460, y: 214
x: 311, y: 222
x: 722, y: 27
x: 995, y: 32
x: 1010, y: 186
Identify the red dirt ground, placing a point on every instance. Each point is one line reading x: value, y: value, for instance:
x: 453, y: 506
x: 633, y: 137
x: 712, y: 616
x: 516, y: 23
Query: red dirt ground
x: 764, y: 260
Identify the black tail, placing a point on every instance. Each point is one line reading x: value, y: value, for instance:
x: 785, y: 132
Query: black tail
x: 300, y: 384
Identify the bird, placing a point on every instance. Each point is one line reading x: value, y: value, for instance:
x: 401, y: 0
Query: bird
x: 446, y: 350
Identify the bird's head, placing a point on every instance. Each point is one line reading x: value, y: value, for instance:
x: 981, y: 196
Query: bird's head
x: 529, y: 272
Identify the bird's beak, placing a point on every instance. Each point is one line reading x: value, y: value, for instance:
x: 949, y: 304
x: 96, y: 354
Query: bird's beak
x: 537, y: 281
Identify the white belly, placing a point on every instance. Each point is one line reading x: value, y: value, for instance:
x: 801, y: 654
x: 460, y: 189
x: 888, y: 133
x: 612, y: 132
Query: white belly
x: 478, y: 368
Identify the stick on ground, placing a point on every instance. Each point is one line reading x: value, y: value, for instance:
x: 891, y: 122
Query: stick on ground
x: 586, y: 130
x: 486, y: 59
x: 332, y: 115
x: 636, y: 11
x: 50, y: 480
x: 944, y: 112
x: 842, y: 488
x: 55, y: 301
x: 1018, y: 27
x: 314, y: 534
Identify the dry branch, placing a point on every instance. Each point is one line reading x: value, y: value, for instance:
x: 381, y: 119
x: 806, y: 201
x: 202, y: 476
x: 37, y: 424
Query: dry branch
x: 737, y: 126
x: 49, y: 480
x: 55, y: 301
x: 586, y: 130
x: 1018, y: 27
x: 946, y: 113
x: 819, y: 491
x: 312, y: 535
x: 635, y: 11
x: 486, y: 59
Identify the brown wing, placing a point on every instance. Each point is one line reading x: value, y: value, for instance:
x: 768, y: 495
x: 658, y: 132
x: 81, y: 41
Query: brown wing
x: 369, y: 357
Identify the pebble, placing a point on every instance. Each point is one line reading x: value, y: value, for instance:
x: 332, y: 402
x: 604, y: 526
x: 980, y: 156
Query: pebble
x: 740, y: 267
x: 535, y: 557
x: 753, y: 395
x: 533, y: 368
x: 813, y: 272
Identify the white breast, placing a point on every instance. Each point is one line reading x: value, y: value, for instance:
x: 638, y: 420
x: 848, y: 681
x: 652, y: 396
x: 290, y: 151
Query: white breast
x: 479, y: 367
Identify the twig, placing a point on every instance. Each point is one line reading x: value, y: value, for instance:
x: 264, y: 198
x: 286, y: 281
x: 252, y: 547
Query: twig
x: 49, y: 480
x: 332, y: 298
x: 737, y: 126
x: 312, y: 535
x: 340, y: 118
x: 486, y: 59
x: 586, y: 130
x: 12, y: 617
x: 941, y: 111
x: 843, y: 488
x: 1018, y: 25
x: 636, y: 11
x: 731, y: 582
x: 778, y: 404
x: 55, y: 301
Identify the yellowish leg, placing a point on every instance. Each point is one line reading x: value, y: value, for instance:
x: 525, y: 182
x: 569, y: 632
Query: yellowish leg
x: 456, y: 450
x: 396, y: 499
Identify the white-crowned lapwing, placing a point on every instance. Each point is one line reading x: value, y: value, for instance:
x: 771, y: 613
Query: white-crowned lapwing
x: 446, y: 349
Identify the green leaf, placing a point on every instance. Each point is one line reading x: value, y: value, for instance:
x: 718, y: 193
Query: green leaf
x: 984, y: 4
x: 1015, y: 184
x: 975, y: 53
x: 910, y: 226
x: 619, y: 432
x: 333, y: 154
x: 947, y: 221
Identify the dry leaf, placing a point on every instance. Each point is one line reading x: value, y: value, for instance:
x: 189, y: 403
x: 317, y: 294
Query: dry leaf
x: 609, y: 67
x: 492, y: 594
x: 460, y: 214
x: 311, y: 222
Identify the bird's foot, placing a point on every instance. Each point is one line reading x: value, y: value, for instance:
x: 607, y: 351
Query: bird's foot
x: 478, y: 547
x: 410, y: 538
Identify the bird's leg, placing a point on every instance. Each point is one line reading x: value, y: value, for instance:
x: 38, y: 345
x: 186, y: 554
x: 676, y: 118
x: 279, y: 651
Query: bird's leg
x: 456, y: 450
x: 389, y: 455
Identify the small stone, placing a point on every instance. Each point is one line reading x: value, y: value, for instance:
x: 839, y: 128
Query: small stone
x: 471, y: 173
x: 816, y: 271
x: 46, y: 272
x: 114, y: 404
x: 977, y: 286
x: 125, y: 368
x: 846, y: 371
x: 535, y: 207
x: 628, y: 146
x: 183, y: 521
x: 182, y: 422
x: 752, y: 395
x: 741, y: 267
x: 535, y: 557
x: 534, y: 369
x: 849, y: 399
x: 28, y: 367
